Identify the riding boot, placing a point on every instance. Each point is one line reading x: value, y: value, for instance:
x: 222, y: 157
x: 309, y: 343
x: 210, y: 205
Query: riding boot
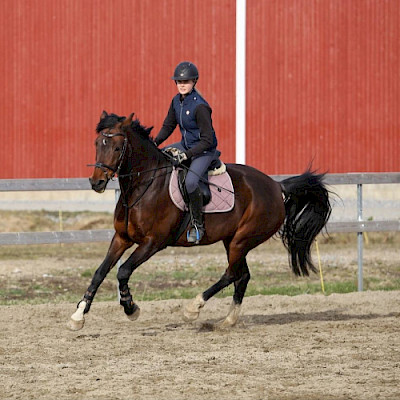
x: 196, y: 232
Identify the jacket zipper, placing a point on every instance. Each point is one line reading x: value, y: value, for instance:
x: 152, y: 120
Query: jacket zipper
x: 184, y: 129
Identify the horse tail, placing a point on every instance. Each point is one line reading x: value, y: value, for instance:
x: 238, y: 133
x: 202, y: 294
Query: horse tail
x: 307, y: 212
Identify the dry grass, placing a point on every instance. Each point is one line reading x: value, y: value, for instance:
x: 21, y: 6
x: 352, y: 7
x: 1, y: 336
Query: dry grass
x: 54, y: 273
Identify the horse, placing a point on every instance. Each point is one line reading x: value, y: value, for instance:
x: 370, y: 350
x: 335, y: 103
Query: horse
x: 295, y: 209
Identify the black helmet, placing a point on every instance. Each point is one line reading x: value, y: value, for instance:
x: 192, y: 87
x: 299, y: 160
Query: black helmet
x: 185, y: 71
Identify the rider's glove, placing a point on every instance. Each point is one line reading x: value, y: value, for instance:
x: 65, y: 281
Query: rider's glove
x: 181, y: 157
x: 178, y: 155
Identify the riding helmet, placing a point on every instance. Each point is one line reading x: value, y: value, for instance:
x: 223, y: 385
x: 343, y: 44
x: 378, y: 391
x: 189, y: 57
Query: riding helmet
x: 185, y: 71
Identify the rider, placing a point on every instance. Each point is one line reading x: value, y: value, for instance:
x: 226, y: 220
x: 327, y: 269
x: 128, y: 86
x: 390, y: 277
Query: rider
x: 198, y: 144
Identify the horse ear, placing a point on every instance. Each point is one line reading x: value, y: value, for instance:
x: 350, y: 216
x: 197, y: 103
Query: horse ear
x: 103, y: 114
x: 128, y: 120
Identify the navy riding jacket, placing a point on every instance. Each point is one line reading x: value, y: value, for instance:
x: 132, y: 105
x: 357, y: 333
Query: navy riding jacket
x: 193, y: 114
x: 185, y: 115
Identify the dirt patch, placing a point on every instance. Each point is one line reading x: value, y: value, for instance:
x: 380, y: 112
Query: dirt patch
x: 302, y: 347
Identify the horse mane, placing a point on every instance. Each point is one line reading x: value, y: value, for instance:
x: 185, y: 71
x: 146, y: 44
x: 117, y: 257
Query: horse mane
x: 110, y: 120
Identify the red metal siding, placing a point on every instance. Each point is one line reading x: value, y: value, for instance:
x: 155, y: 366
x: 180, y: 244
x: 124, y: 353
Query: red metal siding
x: 63, y: 62
x: 323, y: 85
x: 322, y: 79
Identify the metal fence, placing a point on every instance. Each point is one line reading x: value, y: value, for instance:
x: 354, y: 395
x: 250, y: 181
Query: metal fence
x: 359, y: 226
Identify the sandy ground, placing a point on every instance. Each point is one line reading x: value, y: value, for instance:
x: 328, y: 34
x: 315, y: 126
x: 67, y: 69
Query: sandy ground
x: 303, y: 347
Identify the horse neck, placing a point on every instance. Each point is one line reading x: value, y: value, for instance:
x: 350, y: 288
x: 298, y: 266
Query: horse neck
x: 142, y: 160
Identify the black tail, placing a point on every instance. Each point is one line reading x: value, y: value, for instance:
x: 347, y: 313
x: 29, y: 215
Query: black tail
x: 307, y: 212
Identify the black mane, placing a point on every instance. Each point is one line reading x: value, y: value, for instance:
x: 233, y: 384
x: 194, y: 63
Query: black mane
x: 110, y: 120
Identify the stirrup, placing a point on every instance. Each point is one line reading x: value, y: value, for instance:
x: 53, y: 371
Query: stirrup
x: 195, y: 234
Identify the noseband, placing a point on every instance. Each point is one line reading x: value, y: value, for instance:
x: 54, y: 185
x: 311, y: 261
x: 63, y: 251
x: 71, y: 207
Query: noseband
x: 105, y: 167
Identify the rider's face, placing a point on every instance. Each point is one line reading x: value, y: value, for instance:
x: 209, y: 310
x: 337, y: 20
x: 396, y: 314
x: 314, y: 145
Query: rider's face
x: 184, y: 87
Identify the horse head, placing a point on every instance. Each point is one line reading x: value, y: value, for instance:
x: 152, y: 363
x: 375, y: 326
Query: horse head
x: 123, y: 147
x: 111, y: 146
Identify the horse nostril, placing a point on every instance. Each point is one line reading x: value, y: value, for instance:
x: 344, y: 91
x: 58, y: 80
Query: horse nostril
x: 96, y: 184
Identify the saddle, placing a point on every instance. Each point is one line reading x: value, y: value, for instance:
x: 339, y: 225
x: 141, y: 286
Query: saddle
x: 216, y: 187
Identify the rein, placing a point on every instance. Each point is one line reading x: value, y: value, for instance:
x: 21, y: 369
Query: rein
x: 116, y: 171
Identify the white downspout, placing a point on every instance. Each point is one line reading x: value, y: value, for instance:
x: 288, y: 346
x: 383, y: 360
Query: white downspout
x: 241, y: 81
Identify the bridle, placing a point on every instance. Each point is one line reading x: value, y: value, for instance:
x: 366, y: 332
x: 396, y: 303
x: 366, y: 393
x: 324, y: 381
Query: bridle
x: 116, y: 171
x: 105, y: 167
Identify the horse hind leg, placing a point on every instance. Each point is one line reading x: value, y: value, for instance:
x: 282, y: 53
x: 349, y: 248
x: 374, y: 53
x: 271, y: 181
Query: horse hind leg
x: 234, y: 273
x: 240, y: 289
x: 192, y: 310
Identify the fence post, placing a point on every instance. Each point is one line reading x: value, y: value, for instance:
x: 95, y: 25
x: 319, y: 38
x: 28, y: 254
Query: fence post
x: 360, y: 238
x: 117, y: 194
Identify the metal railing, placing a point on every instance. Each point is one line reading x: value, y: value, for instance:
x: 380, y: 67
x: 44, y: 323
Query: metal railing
x: 359, y: 226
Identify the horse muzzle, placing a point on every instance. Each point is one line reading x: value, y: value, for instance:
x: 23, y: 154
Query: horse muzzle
x: 99, y: 185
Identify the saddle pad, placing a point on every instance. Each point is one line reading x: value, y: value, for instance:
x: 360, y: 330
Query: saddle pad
x: 221, y: 200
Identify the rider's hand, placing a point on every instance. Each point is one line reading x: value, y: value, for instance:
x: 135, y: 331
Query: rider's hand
x: 181, y: 157
x: 178, y: 155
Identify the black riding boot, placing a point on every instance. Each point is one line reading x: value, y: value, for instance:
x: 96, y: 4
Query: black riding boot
x: 196, y: 213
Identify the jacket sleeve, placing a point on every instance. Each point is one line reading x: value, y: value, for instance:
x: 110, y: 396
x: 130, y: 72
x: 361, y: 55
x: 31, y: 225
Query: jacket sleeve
x: 204, y: 122
x: 168, y: 126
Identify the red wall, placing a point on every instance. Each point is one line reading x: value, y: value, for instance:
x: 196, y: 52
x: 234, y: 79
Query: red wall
x: 322, y: 79
x: 324, y: 85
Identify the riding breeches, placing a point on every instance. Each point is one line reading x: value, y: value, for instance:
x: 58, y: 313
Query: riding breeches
x: 198, y: 166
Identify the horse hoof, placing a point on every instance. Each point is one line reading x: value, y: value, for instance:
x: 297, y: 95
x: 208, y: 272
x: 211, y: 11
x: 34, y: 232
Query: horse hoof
x: 131, y: 309
x: 192, y: 311
x: 135, y: 315
x: 190, y: 316
x: 232, y: 317
x: 74, y: 325
x: 227, y: 323
x: 77, y: 319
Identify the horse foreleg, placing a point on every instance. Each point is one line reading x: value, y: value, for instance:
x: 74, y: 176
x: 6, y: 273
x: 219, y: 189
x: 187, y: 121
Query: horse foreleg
x: 141, y: 254
x: 115, y: 251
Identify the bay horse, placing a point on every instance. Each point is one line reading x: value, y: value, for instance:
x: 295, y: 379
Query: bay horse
x: 296, y: 209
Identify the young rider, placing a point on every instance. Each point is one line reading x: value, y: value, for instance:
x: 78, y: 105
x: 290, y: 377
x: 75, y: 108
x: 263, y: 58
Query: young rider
x: 198, y: 145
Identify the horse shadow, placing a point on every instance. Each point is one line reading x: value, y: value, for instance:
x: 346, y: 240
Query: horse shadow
x: 247, y: 321
x: 320, y: 316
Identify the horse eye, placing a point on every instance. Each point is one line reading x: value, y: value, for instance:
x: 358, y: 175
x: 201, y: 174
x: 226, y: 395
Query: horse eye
x: 117, y: 149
